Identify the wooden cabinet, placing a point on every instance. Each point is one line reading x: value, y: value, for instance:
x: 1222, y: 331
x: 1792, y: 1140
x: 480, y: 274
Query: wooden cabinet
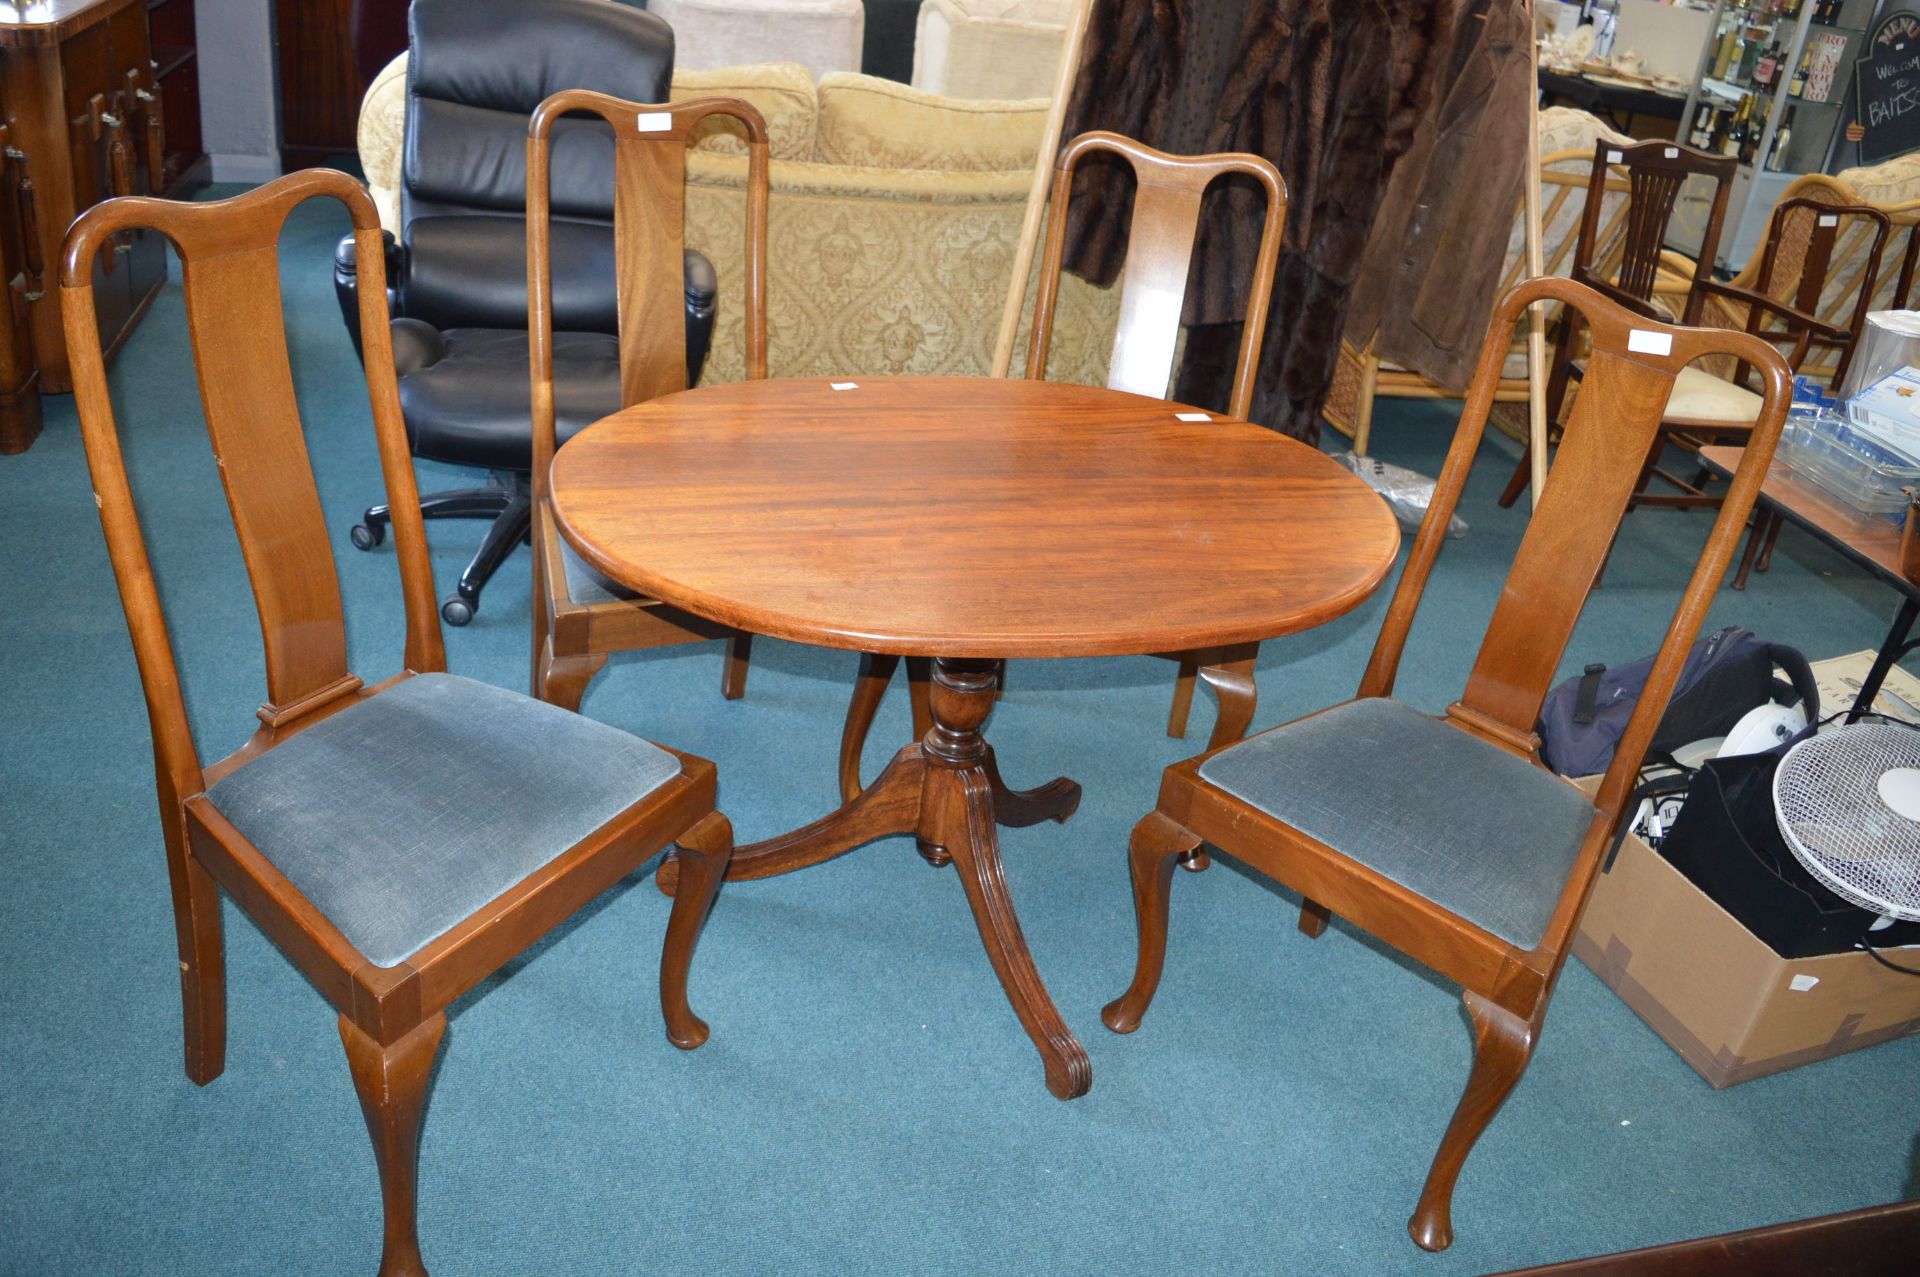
x: 320, y: 88
x: 87, y: 116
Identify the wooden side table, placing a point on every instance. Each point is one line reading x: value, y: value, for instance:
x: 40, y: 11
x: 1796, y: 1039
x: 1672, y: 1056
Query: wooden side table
x: 971, y: 520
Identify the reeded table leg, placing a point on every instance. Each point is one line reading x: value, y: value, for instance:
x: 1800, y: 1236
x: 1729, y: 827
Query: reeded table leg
x: 947, y: 792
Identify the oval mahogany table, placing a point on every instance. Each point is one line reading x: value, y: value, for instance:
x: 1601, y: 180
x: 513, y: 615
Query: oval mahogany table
x: 971, y: 520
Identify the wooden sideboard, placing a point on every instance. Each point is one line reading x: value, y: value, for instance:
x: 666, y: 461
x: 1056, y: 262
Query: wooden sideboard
x: 89, y: 113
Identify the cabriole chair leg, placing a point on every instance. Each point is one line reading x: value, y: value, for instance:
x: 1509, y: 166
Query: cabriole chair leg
x: 1502, y: 1044
x: 1157, y: 842
x: 392, y: 1082
x: 702, y: 856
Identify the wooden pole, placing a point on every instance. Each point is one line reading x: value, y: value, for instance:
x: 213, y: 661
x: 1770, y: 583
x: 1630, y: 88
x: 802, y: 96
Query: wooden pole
x: 1037, y: 193
x: 1536, y: 265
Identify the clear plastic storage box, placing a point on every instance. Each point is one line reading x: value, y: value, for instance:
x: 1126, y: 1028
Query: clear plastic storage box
x: 1859, y: 473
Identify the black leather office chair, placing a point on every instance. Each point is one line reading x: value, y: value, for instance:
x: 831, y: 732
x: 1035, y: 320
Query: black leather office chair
x: 457, y: 278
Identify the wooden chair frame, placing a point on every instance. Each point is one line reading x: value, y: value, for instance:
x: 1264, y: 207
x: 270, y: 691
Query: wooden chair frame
x: 1656, y: 172
x: 391, y: 1018
x: 1614, y: 418
x: 1164, y: 226
x: 1755, y: 309
x: 573, y: 638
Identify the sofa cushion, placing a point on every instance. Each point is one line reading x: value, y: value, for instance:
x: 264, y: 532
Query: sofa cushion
x: 781, y: 91
x: 877, y: 123
x: 989, y: 48
x: 402, y: 815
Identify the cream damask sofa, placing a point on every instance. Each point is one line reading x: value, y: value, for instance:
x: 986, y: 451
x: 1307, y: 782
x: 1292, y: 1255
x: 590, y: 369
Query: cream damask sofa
x: 891, y: 223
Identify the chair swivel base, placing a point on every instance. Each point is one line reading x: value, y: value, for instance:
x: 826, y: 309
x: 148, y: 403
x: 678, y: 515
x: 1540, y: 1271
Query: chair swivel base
x: 510, y: 508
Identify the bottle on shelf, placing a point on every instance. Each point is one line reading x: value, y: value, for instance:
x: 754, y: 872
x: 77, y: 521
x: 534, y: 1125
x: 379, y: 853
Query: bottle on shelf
x: 1735, y: 138
x: 1782, y: 136
x: 1702, y: 134
x: 1798, y: 85
x: 1729, y: 50
x: 1767, y: 66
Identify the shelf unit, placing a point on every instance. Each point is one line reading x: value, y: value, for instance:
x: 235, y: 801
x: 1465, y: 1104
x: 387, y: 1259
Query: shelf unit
x: 1814, y: 43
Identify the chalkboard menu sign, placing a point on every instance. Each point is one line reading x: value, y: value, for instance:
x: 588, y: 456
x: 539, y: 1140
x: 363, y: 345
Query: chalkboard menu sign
x: 1888, y: 79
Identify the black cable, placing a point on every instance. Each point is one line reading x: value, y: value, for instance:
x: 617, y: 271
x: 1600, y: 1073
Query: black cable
x: 1862, y: 945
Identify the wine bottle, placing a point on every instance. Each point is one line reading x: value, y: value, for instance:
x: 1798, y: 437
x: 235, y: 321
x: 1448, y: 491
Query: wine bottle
x: 1736, y: 134
x: 1781, y: 137
x: 1702, y: 128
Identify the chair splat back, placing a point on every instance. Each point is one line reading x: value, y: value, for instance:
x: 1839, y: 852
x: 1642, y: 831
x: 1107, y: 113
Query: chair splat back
x: 229, y: 254
x: 649, y: 204
x: 1160, y: 239
x: 1608, y: 433
x: 1823, y: 226
x: 1656, y: 173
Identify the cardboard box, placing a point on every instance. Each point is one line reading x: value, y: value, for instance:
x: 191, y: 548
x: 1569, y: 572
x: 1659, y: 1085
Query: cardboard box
x: 1840, y: 679
x: 1732, y: 1007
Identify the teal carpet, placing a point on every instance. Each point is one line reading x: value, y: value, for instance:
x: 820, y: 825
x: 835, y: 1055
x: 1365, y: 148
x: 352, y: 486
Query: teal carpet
x: 868, y: 1102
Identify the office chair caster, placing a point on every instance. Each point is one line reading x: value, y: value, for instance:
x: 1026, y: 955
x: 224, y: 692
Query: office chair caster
x: 456, y: 611
x: 366, y: 536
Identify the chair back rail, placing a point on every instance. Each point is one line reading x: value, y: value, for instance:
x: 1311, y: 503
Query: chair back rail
x: 1609, y: 430
x: 649, y: 203
x: 1160, y: 241
x: 1655, y: 174
x: 230, y: 269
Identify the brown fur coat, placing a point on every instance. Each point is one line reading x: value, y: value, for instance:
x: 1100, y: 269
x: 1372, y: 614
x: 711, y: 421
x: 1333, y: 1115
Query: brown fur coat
x: 1330, y: 91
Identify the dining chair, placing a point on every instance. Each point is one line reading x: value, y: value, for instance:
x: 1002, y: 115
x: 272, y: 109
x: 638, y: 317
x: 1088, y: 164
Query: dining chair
x: 1718, y: 405
x: 400, y: 842
x: 1160, y: 243
x: 1446, y: 837
x: 579, y: 615
x: 1656, y: 174
x: 1792, y: 290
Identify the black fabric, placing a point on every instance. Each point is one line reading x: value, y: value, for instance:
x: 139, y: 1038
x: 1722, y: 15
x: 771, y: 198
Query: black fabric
x: 1727, y: 842
x: 472, y: 406
x: 886, y: 48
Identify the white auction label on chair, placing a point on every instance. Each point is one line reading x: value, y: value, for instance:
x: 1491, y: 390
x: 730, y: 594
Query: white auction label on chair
x: 1646, y: 342
x: 843, y: 385
x: 1192, y: 416
x: 655, y: 122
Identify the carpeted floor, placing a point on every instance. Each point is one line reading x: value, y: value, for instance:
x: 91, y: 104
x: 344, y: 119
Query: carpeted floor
x: 867, y: 1102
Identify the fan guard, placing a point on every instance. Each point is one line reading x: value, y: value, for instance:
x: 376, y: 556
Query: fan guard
x: 1848, y: 802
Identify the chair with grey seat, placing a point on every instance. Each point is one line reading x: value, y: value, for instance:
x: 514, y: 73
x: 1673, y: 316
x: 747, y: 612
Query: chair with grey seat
x: 457, y: 276
x: 399, y: 842
x: 1446, y: 837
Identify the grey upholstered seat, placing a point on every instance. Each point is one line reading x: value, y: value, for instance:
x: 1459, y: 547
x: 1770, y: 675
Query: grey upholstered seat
x: 587, y: 584
x: 402, y: 815
x: 1479, y: 832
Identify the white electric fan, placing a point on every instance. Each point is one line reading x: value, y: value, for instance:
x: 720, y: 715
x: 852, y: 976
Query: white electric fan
x: 1848, y: 802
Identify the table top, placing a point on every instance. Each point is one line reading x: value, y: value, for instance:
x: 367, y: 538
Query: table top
x: 950, y: 516
x: 1872, y: 543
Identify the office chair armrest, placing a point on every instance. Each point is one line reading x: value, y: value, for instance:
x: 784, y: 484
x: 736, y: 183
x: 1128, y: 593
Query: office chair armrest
x: 416, y: 345
x: 703, y: 290
x: 346, y: 280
